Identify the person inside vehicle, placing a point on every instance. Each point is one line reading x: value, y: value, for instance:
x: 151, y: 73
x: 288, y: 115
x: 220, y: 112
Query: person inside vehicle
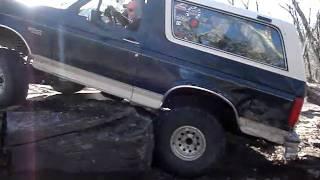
x: 130, y: 18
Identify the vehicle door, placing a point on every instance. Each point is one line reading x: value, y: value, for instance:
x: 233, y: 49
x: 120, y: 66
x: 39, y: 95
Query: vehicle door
x: 96, y: 44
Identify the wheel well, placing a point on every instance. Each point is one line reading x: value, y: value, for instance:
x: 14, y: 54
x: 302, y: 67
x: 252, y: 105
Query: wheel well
x: 11, y: 40
x: 210, y: 101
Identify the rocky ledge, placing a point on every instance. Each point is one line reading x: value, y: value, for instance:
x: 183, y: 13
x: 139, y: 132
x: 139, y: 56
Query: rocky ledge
x: 77, y: 135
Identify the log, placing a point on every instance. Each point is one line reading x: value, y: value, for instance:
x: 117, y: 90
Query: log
x: 78, y: 136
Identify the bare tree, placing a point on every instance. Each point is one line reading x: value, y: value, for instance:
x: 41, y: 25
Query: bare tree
x: 309, y: 37
x: 308, y: 29
x: 246, y: 3
x: 231, y: 2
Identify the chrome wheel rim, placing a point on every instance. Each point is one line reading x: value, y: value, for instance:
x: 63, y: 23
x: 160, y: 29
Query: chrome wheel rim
x: 188, y: 143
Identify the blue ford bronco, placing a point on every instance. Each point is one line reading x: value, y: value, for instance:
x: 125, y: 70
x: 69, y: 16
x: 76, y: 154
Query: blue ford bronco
x: 205, y: 67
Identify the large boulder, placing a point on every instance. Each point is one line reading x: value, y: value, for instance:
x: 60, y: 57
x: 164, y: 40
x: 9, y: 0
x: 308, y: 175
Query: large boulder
x: 78, y: 135
x: 313, y: 94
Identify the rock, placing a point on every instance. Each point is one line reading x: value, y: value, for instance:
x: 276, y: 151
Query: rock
x: 314, y: 173
x: 313, y: 94
x: 79, y: 136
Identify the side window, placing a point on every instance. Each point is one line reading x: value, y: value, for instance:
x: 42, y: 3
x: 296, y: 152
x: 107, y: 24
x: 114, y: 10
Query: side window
x: 58, y: 4
x: 126, y: 13
x: 242, y: 37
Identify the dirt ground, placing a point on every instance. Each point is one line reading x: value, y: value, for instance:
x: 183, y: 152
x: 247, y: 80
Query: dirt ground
x: 247, y: 158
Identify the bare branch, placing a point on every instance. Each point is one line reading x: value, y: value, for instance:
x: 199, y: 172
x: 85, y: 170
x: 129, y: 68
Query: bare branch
x: 309, y: 19
x: 296, y: 21
x: 304, y: 20
x: 309, y: 35
x: 231, y: 2
x: 246, y: 4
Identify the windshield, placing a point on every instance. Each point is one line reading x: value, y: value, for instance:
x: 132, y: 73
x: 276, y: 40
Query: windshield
x: 60, y: 4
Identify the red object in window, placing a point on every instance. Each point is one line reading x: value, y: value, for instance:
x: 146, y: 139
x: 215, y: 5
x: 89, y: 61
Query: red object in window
x: 295, y: 111
x: 194, y: 23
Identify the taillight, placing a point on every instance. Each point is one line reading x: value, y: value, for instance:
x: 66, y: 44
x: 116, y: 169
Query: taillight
x: 295, y: 111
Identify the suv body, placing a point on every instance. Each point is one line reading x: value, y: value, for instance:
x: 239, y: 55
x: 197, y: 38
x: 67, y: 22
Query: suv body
x: 250, y: 64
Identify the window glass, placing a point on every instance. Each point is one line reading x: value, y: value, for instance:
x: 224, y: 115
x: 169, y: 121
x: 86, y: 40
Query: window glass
x: 126, y: 13
x: 92, y: 5
x: 239, y: 36
x: 60, y: 4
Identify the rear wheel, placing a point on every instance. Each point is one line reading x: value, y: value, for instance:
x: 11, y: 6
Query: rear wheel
x: 65, y: 87
x: 189, y: 141
x: 13, y: 78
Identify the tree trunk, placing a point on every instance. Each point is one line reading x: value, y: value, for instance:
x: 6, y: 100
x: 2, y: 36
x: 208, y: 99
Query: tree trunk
x: 307, y: 27
x: 231, y: 2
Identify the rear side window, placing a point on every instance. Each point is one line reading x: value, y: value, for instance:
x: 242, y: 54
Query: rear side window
x: 229, y: 33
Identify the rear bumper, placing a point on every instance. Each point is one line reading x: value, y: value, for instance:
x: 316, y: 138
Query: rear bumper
x: 289, y: 139
x: 291, y: 146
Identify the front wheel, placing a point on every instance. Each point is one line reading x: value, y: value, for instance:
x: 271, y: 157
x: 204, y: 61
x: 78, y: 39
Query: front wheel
x: 189, y: 141
x: 13, y: 78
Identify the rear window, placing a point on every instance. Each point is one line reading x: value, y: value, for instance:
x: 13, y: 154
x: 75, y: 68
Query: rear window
x: 239, y: 36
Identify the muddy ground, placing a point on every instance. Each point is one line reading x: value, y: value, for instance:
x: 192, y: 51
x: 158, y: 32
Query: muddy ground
x: 247, y: 158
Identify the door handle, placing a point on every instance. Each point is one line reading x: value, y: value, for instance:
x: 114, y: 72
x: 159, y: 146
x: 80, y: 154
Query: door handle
x: 131, y: 41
